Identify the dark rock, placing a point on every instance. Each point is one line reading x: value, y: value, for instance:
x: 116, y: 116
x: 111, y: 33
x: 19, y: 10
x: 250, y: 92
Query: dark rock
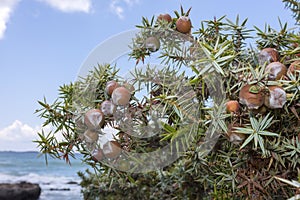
x: 60, y: 189
x: 19, y: 191
x: 72, y: 183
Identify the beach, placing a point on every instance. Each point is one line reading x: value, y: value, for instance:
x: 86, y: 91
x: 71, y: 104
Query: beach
x: 57, y: 180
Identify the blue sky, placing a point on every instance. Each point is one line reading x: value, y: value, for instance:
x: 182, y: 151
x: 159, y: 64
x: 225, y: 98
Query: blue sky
x: 44, y: 42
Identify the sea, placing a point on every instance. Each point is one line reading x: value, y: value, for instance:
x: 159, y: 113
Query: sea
x: 58, y: 180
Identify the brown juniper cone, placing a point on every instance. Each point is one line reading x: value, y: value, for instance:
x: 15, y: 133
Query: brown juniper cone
x: 232, y: 106
x: 268, y: 55
x: 294, y: 66
x: 252, y: 96
x: 152, y: 44
x: 276, y: 97
x: 111, y: 86
x: 184, y: 25
x: 94, y: 119
x: 233, y: 136
x: 111, y: 149
x: 121, y: 96
x: 91, y: 136
x: 165, y: 17
x: 108, y: 108
x: 97, y: 155
x: 276, y: 71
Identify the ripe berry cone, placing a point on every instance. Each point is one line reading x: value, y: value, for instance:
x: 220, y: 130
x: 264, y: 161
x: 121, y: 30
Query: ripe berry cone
x: 294, y: 66
x: 111, y: 86
x: 276, y: 70
x: 232, y: 106
x: 233, y: 136
x: 112, y: 149
x: 165, y: 17
x: 94, y: 119
x: 276, y: 97
x: 183, y: 25
x: 251, y: 96
x: 268, y: 55
x: 121, y: 96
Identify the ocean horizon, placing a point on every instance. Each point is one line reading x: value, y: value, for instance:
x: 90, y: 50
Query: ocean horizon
x: 58, y: 180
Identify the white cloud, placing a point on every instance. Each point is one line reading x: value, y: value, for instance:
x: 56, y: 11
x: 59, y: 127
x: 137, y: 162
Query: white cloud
x: 19, y: 136
x: 6, y: 9
x: 131, y: 2
x: 118, y: 6
x: 70, y: 5
x: 116, y: 9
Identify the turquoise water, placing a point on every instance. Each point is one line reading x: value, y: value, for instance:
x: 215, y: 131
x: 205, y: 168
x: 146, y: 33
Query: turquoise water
x: 53, y: 178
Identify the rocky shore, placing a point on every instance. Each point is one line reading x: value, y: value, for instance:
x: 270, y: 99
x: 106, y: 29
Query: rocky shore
x: 19, y: 191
